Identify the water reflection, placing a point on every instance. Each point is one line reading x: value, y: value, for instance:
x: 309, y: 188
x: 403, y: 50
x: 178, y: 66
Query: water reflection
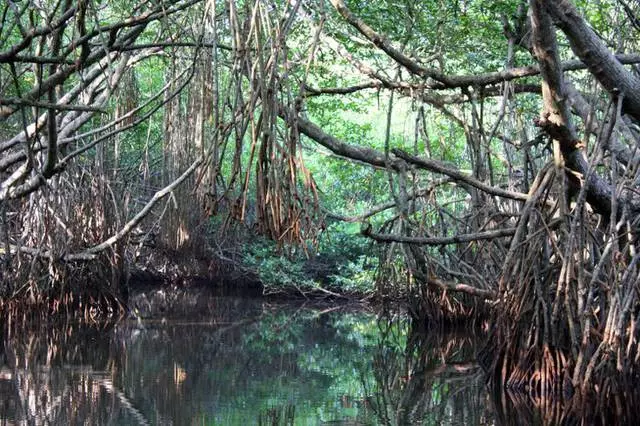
x: 229, y: 361
x: 429, y: 379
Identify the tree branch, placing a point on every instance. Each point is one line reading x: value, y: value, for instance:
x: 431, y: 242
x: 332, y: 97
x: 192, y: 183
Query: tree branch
x: 556, y: 119
x: 458, y: 176
x: 573, y: 22
x: 594, y: 53
x: 386, y: 206
x: 438, y: 241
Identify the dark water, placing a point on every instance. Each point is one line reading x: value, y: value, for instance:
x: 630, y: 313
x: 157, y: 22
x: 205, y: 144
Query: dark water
x: 236, y: 361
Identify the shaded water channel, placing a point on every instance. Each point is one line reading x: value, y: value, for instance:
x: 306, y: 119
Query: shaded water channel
x: 207, y: 360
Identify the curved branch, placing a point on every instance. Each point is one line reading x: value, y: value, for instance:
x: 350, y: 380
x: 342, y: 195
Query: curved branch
x: 556, y: 120
x: 383, y: 43
x: 574, y: 23
x: 378, y: 159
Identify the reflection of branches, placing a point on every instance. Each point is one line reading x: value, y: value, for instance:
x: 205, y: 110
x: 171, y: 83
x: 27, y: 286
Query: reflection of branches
x: 108, y: 385
x: 32, y: 351
x: 413, y: 379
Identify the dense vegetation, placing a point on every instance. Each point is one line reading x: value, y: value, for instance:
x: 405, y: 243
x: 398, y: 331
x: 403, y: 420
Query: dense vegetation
x: 488, y: 149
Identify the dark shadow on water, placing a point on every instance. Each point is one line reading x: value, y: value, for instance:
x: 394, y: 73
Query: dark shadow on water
x: 205, y: 359
x: 196, y: 358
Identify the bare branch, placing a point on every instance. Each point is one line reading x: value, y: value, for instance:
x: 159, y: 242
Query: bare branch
x: 439, y: 241
x: 458, y: 176
x: 595, y: 54
x: 55, y: 106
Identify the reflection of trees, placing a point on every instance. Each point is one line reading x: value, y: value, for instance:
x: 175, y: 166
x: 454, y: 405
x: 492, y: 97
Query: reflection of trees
x: 432, y: 378
x: 239, y: 360
x: 230, y: 358
x: 131, y: 372
x: 514, y: 407
x: 60, y: 374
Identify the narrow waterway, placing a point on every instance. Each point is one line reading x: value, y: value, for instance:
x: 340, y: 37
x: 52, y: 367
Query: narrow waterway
x: 201, y: 359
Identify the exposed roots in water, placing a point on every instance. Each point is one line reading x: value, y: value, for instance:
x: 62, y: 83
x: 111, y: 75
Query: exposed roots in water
x: 567, y: 328
x: 83, y: 297
x: 429, y: 280
x: 42, y: 272
x: 617, y: 408
x: 433, y: 309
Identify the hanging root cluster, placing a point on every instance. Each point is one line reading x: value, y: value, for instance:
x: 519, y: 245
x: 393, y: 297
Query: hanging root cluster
x: 270, y: 189
x: 569, y: 295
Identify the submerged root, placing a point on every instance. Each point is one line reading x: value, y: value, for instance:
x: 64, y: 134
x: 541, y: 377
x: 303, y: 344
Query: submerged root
x: 88, y: 291
x: 88, y: 305
x: 604, y: 407
x: 436, y: 309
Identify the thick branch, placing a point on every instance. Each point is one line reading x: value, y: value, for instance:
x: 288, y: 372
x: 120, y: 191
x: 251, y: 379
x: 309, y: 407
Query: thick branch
x: 489, y: 78
x: 594, y: 53
x: 419, y: 90
x: 362, y: 154
x: 48, y: 105
x: 377, y: 159
x: 449, y: 82
x: 556, y: 119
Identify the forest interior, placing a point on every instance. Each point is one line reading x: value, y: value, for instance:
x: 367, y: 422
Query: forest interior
x: 474, y: 160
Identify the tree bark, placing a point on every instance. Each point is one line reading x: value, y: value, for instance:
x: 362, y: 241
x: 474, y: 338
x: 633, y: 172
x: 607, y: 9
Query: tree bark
x: 556, y: 117
x: 595, y: 54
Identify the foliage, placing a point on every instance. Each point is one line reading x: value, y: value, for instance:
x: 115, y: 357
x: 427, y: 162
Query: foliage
x: 342, y: 263
x: 276, y: 271
x: 356, y: 276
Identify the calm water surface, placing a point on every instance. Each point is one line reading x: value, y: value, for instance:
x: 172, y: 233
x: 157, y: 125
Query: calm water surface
x: 205, y: 360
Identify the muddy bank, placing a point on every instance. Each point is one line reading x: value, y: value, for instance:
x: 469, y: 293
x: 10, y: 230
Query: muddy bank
x: 162, y: 267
